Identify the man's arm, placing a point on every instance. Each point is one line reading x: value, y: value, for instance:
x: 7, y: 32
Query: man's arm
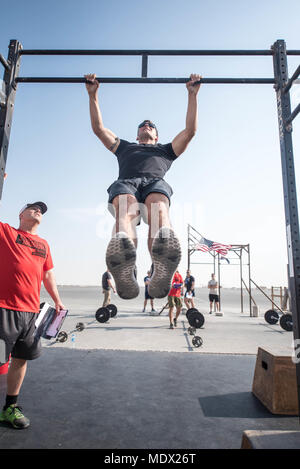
x: 50, y: 285
x: 107, y: 137
x: 111, y: 285
x: 182, y: 140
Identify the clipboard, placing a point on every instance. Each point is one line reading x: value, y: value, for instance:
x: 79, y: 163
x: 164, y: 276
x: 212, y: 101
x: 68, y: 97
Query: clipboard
x: 48, y: 323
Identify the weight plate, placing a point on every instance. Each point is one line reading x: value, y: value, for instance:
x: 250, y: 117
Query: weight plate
x: 112, y: 310
x: 62, y: 337
x: 271, y: 316
x: 102, y: 315
x: 189, y: 311
x: 196, y: 319
x: 191, y: 330
x: 286, y: 322
x: 197, y: 341
x: 80, y: 326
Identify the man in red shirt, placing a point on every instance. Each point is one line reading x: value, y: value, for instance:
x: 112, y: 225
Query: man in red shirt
x: 174, y: 298
x: 25, y: 263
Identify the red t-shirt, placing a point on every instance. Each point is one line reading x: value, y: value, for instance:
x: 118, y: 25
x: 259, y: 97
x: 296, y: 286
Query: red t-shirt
x: 177, y: 279
x: 24, y: 258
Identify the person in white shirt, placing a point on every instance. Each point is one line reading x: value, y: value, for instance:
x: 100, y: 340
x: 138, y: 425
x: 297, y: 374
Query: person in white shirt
x: 213, y: 293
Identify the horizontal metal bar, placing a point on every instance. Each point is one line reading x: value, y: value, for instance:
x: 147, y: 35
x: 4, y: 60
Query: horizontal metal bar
x: 145, y: 80
x: 151, y: 52
x: 293, y: 115
x: 4, y: 63
x: 142, y: 52
x: 292, y: 79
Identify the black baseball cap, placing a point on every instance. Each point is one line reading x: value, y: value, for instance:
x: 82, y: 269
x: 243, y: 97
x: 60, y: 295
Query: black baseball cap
x: 147, y: 121
x: 42, y: 206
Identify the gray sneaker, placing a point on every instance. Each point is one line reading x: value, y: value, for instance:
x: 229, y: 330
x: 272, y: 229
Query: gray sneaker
x: 120, y: 260
x: 166, y: 255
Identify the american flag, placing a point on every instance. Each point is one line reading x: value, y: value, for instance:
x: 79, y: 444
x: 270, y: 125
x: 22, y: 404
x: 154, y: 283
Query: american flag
x: 206, y: 245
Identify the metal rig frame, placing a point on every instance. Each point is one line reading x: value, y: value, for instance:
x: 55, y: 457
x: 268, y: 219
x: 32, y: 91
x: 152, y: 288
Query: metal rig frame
x: 237, y: 250
x: 281, y: 82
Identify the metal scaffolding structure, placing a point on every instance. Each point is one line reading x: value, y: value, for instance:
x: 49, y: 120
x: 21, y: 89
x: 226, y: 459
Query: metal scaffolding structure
x: 280, y: 81
x: 237, y: 250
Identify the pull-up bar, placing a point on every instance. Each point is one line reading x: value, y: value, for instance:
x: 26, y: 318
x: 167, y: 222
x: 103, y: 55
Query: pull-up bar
x: 145, y: 80
x: 149, y: 52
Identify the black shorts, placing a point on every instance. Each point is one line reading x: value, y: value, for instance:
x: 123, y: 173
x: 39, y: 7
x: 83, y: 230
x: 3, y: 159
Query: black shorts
x: 147, y: 296
x: 140, y: 188
x: 213, y: 297
x: 17, y: 331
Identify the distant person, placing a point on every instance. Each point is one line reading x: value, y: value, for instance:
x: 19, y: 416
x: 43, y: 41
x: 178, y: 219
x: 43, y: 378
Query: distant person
x: 174, y: 298
x: 213, y: 293
x: 147, y: 296
x: 189, y: 284
x: 26, y: 262
x: 106, y: 286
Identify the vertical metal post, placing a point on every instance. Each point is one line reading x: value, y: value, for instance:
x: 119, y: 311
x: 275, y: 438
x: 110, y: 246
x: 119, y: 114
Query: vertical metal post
x: 289, y: 188
x: 144, y: 66
x: 249, y: 271
x: 7, y: 106
x: 241, y: 278
x: 219, y: 281
x: 189, y: 261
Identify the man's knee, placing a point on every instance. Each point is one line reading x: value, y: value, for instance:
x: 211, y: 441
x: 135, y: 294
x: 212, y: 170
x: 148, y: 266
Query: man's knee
x: 126, y: 206
x: 157, y: 208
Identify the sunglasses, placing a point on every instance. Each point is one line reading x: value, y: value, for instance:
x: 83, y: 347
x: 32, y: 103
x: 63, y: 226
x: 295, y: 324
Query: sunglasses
x: 147, y: 122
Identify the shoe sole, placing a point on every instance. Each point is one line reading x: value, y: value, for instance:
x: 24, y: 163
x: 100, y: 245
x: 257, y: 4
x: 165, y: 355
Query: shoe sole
x: 166, y: 255
x: 8, y: 424
x: 121, y: 260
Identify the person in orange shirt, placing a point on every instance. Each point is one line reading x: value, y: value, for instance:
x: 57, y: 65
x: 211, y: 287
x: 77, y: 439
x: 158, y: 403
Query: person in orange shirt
x: 174, y: 298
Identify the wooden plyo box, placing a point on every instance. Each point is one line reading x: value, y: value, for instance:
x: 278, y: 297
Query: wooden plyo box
x: 275, y: 383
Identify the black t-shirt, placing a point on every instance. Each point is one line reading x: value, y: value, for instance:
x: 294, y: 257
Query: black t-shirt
x: 106, y: 276
x: 188, y: 282
x: 139, y: 160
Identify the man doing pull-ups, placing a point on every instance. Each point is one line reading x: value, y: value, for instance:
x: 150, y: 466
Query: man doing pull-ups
x: 141, y: 190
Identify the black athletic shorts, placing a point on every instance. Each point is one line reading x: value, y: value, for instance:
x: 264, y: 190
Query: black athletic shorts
x: 17, y: 331
x: 213, y: 297
x: 147, y: 296
x: 140, y: 188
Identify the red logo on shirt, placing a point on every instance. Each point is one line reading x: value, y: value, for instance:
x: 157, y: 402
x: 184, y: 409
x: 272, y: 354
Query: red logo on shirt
x: 39, y: 249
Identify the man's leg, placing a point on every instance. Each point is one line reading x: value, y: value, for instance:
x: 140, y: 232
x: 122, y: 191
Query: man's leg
x: 11, y: 413
x: 163, y: 244
x: 127, y: 215
x: 178, y: 311
x: 171, y: 316
x: 106, y: 300
x: 121, y: 250
x: 15, y: 376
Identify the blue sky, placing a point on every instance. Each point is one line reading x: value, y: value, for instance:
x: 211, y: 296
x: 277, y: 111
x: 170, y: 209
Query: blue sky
x: 227, y: 184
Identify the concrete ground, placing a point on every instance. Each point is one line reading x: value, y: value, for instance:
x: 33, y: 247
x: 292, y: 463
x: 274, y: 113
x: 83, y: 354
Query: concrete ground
x: 132, y: 383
